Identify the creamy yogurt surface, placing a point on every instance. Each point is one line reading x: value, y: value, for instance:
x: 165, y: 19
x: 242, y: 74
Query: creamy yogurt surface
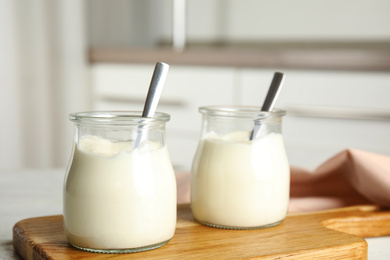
x: 240, y: 183
x: 117, y: 197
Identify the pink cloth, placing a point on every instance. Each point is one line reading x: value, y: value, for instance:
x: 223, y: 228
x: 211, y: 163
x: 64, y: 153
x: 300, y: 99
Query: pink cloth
x: 351, y: 177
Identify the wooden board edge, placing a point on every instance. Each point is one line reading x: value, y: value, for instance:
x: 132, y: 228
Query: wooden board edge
x: 23, y: 246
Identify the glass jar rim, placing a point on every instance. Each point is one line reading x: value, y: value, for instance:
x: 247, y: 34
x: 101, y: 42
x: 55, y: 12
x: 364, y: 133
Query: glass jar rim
x: 241, y: 111
x: 117, y: 117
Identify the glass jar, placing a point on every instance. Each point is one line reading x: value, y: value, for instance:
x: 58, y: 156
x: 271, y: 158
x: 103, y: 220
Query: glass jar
x: 236, y: 182
x: 120, y: 187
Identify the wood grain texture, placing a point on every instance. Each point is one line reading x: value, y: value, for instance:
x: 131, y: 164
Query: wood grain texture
x: 318, y: 235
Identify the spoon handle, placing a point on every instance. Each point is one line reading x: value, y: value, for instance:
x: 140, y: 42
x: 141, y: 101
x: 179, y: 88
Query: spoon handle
x: 155, y: 89
x: 273, y: 92
x: 270, y: 99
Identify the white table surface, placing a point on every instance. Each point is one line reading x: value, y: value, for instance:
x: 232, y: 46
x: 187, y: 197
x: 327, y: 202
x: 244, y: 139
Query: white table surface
x: 34, y: 193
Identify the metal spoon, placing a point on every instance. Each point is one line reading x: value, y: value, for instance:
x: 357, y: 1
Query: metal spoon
x: 153, y: 96
x: 270, y: 99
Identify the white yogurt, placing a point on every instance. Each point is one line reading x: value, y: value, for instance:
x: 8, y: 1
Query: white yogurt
x: 240, y: 183
x: 119, y: 198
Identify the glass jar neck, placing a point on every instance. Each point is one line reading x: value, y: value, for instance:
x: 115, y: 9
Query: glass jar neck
x: 223, y: 120
x: 241, y: 112
x: 118, y: 118
x: 117, y: 126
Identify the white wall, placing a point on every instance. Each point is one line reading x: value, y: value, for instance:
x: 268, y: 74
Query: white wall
x: 259, y: 20
x: 114, y: 22
x: 10, y: 143
x: 43, y: 74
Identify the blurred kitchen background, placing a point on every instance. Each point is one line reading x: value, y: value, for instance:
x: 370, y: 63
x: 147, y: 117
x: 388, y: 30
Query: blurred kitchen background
x: 58, y: 57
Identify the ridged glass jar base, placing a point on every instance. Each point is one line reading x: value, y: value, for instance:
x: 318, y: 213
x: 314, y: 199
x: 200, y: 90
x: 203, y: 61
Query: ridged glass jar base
x: 124, y: 250
x: 240, y: 228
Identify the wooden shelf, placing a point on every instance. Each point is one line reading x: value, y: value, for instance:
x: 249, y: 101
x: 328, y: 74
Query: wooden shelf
x: 357, y: 56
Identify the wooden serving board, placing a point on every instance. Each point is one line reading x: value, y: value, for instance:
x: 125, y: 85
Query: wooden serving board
x: 333, y: 234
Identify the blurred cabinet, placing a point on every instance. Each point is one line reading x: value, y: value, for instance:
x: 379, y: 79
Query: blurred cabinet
x: 327, y: 111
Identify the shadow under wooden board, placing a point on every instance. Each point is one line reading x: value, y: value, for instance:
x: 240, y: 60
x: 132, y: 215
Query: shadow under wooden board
x: 332, y: 234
